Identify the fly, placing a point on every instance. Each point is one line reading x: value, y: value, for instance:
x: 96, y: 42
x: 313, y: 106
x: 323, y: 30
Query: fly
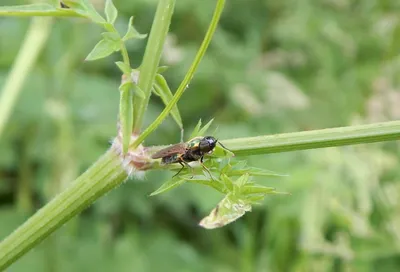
x: 183, y: 153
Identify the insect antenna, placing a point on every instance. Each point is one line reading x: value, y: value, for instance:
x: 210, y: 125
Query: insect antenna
x: 225, y: 147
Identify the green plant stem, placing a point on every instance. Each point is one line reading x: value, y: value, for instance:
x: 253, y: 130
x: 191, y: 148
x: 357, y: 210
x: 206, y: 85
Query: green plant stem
x: 151, y: 59
x: 37, y: 10
x: 103, y: 176
x: 362, y: 134
x: 185, y: 83
x: 34, y: 42
x: 125, y: 56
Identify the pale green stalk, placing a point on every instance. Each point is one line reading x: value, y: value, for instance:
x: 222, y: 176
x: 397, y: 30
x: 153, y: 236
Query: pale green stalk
x: 185, y: 83
x: 106, y: 174
x: 33, y: 44
x: 361, y: 134
x: 151, y: 59
x: 41, y: 9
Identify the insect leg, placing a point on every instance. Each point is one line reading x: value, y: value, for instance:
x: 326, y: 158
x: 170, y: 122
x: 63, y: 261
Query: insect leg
x: 183, y: 163
x: 205, y: 168
x: 183, y: 166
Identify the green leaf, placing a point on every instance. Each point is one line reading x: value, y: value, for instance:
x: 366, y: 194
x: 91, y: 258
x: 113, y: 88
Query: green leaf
x: 162, y: 69
x: 257, y: 189
x: 227, y: 182
x: 161, y: 89
x: 111, y: 11
x: 132, y: 33
x: 227, y: 211
x: 84, y: 8
x: 125, y: 68
x: 241, y: 181
x: 92, y: 13
x: 173, y: 183
x: 111, y: 36
x: 126, y: 113
x: 196, y: 130
x: 203, y: 131
x: 102, y: 49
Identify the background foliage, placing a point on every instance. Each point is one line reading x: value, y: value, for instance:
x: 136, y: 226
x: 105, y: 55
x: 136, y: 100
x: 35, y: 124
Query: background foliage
x: 271, y: 68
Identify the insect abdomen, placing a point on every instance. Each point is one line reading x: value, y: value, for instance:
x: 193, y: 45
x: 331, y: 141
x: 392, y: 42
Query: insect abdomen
x: 170, y: 159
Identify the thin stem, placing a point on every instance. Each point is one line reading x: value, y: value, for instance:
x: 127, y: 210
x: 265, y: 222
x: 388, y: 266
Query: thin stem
x: 125, y: 55
x: 37, y: 10
x: 106, y: 174
x: 151, y: 59
x: 378, y: 132
x: 34, y: 42
x: 185, y: 83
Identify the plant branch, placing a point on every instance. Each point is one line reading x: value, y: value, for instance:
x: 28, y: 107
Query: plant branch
x: 37, y: 10
x: 362, y: 134
x: 106, y: 174
x: 151, y: 59
x: 185, y: 83
x: 34, y: 42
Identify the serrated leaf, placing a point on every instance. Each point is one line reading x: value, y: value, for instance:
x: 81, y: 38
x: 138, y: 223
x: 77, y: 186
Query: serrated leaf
x: 173, y: 183
x: 203, y: 131
x: 111, y: 11
x: 227, y: 182
x: 126, y: 113
x: 125, y: 68
x: 257, y: 189
x: 102, y: 49
x: 212, y: 183
x: 132, y: 33
x: 196, y: 130
x: 163, y: 91
x: 227, y: 211
x: 241, y: 181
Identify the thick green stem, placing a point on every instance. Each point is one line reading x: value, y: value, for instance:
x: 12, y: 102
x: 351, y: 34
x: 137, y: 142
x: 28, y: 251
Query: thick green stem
x: 185, y: 83
x: 31, y: 47
x: 103, y: 176
x: 378, y: 132
x: 151, y: 59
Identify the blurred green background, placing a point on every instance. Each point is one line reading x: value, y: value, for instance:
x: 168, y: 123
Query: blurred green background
x: 273, y: 67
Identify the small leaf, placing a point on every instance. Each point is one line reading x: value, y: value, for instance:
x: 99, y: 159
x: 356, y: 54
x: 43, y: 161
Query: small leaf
x: 126, y: 113
x: 173, y: 183
x: 111, y: 36
x: 257, y: 189
x: 227, y: 211
x: 241, y: 181
x: 162, y: 69
x: 203, y: 131
x: 227, y: 182
x: 163, y: 91
x: 102, y: 49
x: 132, y: 33
x: 196, y: 130
x: 111, y: 11
x: 125, y: 68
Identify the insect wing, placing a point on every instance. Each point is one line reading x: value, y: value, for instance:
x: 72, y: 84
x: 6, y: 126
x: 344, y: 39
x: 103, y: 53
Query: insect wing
x: 171, y: 150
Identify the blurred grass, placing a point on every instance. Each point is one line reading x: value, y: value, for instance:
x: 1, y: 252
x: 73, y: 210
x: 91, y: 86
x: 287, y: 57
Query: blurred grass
x: 273, y: 67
